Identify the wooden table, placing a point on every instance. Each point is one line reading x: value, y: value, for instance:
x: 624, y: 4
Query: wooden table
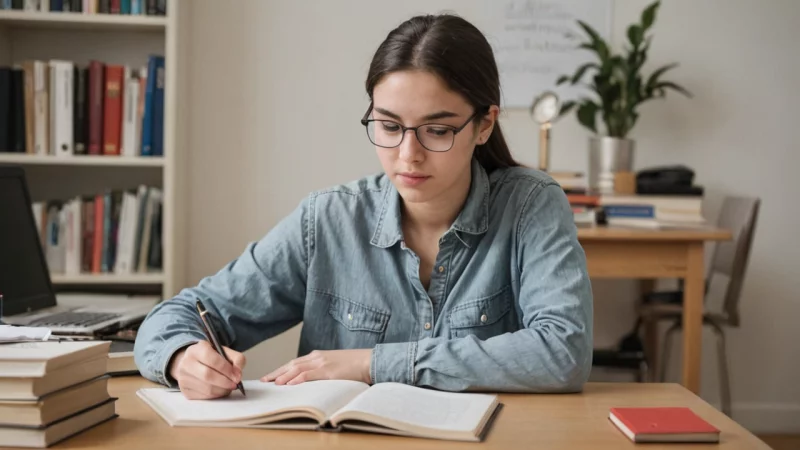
x: 526, y: 421
x: 650, y: 254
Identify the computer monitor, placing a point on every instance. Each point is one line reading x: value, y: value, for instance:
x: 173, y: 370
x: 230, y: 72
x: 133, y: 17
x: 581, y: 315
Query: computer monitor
x: 24, y: 277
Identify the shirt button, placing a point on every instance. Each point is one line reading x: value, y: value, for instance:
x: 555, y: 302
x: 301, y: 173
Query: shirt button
x: 441, y: 269
x: 349, y: 317
x: 484, y: 318
x: 427, y: 325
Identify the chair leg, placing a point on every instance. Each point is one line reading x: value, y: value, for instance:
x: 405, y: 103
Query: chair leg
x: 651, y: 346
x: 725, y: 382
x: 666, y: 351
x: 643, y: 375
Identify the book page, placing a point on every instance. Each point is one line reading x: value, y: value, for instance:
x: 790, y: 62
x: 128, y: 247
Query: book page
x: 422, y: 408
x: 262, y: 399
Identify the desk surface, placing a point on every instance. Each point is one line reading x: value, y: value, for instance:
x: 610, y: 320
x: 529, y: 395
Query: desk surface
x: 526, y: 421
x: 602, y: 233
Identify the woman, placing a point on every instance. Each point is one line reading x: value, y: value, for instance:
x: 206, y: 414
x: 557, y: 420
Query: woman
x: 455, y: 269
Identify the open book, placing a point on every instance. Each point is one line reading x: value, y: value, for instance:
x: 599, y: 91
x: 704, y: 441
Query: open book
x: 390, y: 408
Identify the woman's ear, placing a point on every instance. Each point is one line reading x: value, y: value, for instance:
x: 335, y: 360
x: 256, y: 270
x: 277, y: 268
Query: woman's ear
x: 487, y: 124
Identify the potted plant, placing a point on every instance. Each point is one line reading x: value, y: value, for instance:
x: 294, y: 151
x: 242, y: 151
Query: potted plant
x: 619, y: 88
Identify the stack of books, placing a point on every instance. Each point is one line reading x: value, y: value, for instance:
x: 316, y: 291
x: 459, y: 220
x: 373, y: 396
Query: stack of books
x: 124, y: 7
x: 50, y: 391
x: 653, y: 211
x: 117, y: 232
x: 59, y: 108
x: 642, y: 211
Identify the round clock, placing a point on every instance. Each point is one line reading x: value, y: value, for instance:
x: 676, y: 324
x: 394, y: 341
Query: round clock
x: 545, y: 107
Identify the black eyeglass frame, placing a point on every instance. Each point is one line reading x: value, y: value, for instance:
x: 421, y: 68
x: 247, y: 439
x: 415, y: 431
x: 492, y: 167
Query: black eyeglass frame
x: 365, y: 121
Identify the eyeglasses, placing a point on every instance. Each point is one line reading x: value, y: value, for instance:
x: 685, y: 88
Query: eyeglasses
x: 434, y: 137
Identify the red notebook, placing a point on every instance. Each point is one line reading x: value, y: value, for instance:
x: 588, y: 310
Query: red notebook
x: 663, y: 425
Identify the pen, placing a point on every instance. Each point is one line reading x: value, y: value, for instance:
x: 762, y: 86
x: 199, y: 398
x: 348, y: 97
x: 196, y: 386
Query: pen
x: 212, y: 336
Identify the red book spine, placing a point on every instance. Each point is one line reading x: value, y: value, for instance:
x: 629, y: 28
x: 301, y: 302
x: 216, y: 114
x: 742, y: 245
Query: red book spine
x: 87, y: 227
x: 97, y: 257
x: 96, y: 88
x: 116, y: 6
x: 112, y: 114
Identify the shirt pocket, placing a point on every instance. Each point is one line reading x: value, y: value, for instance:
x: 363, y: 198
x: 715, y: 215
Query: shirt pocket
x: 357, y: 325
x: 483, y: 318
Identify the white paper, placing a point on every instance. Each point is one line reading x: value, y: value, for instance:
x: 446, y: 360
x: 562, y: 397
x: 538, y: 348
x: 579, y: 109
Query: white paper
x: 423, y: 407
x: 535, y: 42
x: 10, y: 333
x: 262, y: 399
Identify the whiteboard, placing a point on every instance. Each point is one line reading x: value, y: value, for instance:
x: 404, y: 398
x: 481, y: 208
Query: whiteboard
x: 535, y: 42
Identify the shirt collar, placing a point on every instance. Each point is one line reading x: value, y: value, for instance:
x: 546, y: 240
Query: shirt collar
x: 473, y: 218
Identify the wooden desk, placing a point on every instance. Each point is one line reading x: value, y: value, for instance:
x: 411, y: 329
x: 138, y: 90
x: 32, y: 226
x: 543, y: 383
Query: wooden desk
x: 526, y: 421
x: 650, y: 254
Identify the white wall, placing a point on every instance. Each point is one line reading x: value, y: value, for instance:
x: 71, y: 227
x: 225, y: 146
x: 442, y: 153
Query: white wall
x: 277, y: 90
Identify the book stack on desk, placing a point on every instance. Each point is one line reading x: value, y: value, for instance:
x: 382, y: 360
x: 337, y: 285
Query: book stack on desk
x: 653, y: 211
x: 639, y: 211
x: 50, y: 391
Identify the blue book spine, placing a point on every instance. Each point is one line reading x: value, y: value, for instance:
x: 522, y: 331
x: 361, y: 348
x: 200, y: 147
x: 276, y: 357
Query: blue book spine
x: 125, y: 7
x: 147, y: 117
x: 6, y: 4
x: 56, y: 5
x: 105, y: 263
x: 158, y: 109
x: 136, y: 7
x: 630, y: 211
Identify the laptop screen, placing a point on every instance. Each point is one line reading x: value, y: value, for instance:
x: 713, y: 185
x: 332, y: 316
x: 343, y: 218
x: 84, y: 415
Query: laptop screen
x: 24, y: 280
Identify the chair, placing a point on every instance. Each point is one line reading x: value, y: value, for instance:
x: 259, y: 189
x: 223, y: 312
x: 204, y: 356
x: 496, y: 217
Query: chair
x: 629, y: 355
x: 729, y: 262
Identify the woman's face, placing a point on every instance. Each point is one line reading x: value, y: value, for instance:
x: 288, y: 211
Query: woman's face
x: 413, y: 98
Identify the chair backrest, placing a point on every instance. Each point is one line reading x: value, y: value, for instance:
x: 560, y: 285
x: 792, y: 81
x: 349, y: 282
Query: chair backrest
x: 739, y: 215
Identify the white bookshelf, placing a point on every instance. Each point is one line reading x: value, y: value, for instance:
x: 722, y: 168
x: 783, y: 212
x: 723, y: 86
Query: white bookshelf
x: 81, y: 21
x: 113, y: 39
x: 81, y: 160
x: 109, y: 279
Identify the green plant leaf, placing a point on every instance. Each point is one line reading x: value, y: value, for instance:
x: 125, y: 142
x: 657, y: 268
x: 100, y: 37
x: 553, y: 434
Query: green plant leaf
x: 567, y: 107
x: 675, y: 87
x: 562, y: 79
x: 581, y: 70
x: 593, y: 35
x: 598, y: 45
x: 635, y: 35
x: 587, y: 113
x: 653, y: 80
x: 649, y: 15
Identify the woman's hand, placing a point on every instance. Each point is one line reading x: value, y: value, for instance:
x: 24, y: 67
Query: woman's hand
x: 203, y: 374
x: 324, y: 365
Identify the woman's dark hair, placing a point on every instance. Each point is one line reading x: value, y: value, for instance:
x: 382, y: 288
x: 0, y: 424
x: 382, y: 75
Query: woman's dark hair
x: 456, y: 51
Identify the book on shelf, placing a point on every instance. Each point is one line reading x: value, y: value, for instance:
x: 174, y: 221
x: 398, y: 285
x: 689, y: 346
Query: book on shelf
x: 113, y: 7
x: 50, y: 391
x: 115, y: 232
x: 387, y: 408
x: 62, y: 109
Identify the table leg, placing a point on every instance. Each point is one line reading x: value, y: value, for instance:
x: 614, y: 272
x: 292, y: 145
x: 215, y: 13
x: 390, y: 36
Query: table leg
x: 650, y: 329
x: 693, y: 293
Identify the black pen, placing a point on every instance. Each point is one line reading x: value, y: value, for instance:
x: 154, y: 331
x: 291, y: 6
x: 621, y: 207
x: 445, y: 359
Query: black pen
x: 208, y: 326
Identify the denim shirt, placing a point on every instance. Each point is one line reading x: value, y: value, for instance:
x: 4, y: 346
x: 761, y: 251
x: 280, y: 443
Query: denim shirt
x: 508, y: 308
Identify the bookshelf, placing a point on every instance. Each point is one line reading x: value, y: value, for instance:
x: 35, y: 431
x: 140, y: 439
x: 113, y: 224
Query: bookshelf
x: 121, y: 40
x: 83, y: 160
x: 81, y: 21
x: 106, y: 279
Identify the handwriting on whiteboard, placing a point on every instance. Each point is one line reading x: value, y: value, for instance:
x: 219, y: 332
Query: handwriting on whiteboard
x: 535, y: 42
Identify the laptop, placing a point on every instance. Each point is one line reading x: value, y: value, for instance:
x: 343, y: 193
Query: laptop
x: 28, y: 295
